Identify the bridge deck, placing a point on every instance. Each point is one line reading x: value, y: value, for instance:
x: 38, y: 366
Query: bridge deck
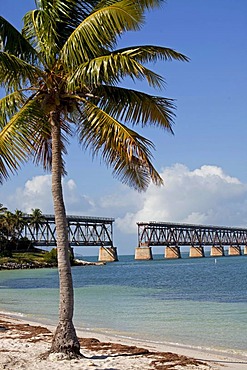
x: 170, y: 234
x: 83, y: 231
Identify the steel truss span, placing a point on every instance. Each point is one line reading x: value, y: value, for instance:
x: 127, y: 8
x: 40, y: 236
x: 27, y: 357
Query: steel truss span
x: 83, y: 231
x: 169, y: 234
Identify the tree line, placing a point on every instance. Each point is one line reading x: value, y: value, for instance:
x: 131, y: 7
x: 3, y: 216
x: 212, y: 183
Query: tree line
x: 11, y: 225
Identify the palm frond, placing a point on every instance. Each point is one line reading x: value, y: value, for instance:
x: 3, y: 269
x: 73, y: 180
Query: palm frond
x: 141, y: 4
x: 40, y: 30
x: 28, y: 135
x: 42, y: 143
x: 71, y: 16
x: 13, y: 42
x: 15, y: 72
x: 9, y: 105
x: 151, y: 53
x: 41, y: 146
x: 122, y: 149
x: 149, y: 4
x: 111, y: 69
x: 16, y: 139
x: 68, y: 15
x: 136, y: 107
x: 136, y: 174
x: 100, y: 30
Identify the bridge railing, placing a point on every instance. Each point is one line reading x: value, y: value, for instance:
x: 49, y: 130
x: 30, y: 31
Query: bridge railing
x: 82, y: 230
x: 162, y: 233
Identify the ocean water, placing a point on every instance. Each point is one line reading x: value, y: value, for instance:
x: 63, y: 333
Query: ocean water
x: 192, y: 302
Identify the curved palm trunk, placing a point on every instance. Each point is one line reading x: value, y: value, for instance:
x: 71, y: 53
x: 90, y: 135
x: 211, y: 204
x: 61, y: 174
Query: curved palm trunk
x: 65, y: 339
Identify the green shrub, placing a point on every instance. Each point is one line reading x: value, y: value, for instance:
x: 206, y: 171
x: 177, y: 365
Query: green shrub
x: 51, y: 257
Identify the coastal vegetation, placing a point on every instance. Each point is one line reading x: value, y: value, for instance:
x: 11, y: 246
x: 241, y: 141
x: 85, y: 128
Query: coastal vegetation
x: 34, y: 258
x: 62, y: 75
x: 17, y: 251
x: 11, y: 226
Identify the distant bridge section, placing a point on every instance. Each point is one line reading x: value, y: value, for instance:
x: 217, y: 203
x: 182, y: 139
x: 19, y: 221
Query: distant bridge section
x: 82, y: 231
x: 173, y: 236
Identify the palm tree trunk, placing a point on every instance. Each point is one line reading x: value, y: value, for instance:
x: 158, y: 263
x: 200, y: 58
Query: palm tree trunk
x: 65, y: 339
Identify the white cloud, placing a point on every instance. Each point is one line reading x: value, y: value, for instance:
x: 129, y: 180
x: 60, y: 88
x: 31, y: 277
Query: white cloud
x: 36, y: 193
x: 203, y: 196
x: 216, y: 172
x: 122, y: 201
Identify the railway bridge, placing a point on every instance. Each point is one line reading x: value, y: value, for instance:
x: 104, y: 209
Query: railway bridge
x: 83, y: 231
x: 173, y: 236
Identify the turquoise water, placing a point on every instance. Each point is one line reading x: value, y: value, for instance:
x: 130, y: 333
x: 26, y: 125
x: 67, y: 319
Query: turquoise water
x: 191, y: 302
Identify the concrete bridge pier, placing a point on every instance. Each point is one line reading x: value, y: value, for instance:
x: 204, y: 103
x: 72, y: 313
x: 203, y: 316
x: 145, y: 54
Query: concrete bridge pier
x: 196, y: 252
x: 234, y: 250
x: 172, y: 252
x: 143, y: 253
x: 245, y: 249
x: 217, y: 251
x: 108, y: 254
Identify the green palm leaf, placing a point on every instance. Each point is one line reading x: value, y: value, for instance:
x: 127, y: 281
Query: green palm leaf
x: 40, y: 31
x: 120, y: 147
x: 136, y: 107
x: 15, y: 72
x: 112, y: 69
x: 13, y: 42
x: 15, y: 139
x: 67, y: 14
x: 100, y: 30
x: 151, y: 53
x: 41, y: 142
x: 27, y: 135
x: 137, y: 174
x: 149, y: 4
x: 9, y: 105
x: 141, y: 4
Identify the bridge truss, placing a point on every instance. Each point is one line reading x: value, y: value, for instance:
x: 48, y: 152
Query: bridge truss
x: 168, y: 234
x: 83, y: 231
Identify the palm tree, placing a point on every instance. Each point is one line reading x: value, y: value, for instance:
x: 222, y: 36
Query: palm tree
x: 2, y: 211
x: 13, y: 224
x: 6, y: 227
x: 8, y: 223
x: 36, y: 218
x: 18, y: 221
x: 62, y: 76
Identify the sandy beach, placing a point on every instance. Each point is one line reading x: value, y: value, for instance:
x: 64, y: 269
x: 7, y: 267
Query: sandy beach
x: 23, y: 345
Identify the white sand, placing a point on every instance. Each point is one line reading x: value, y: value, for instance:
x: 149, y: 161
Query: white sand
x: 22, y: 345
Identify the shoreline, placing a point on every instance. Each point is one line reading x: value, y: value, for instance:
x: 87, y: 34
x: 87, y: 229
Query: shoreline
x: 102, y: 351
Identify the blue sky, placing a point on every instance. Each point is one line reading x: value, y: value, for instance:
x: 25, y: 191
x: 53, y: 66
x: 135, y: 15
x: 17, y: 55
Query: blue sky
x: 204, y: 165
